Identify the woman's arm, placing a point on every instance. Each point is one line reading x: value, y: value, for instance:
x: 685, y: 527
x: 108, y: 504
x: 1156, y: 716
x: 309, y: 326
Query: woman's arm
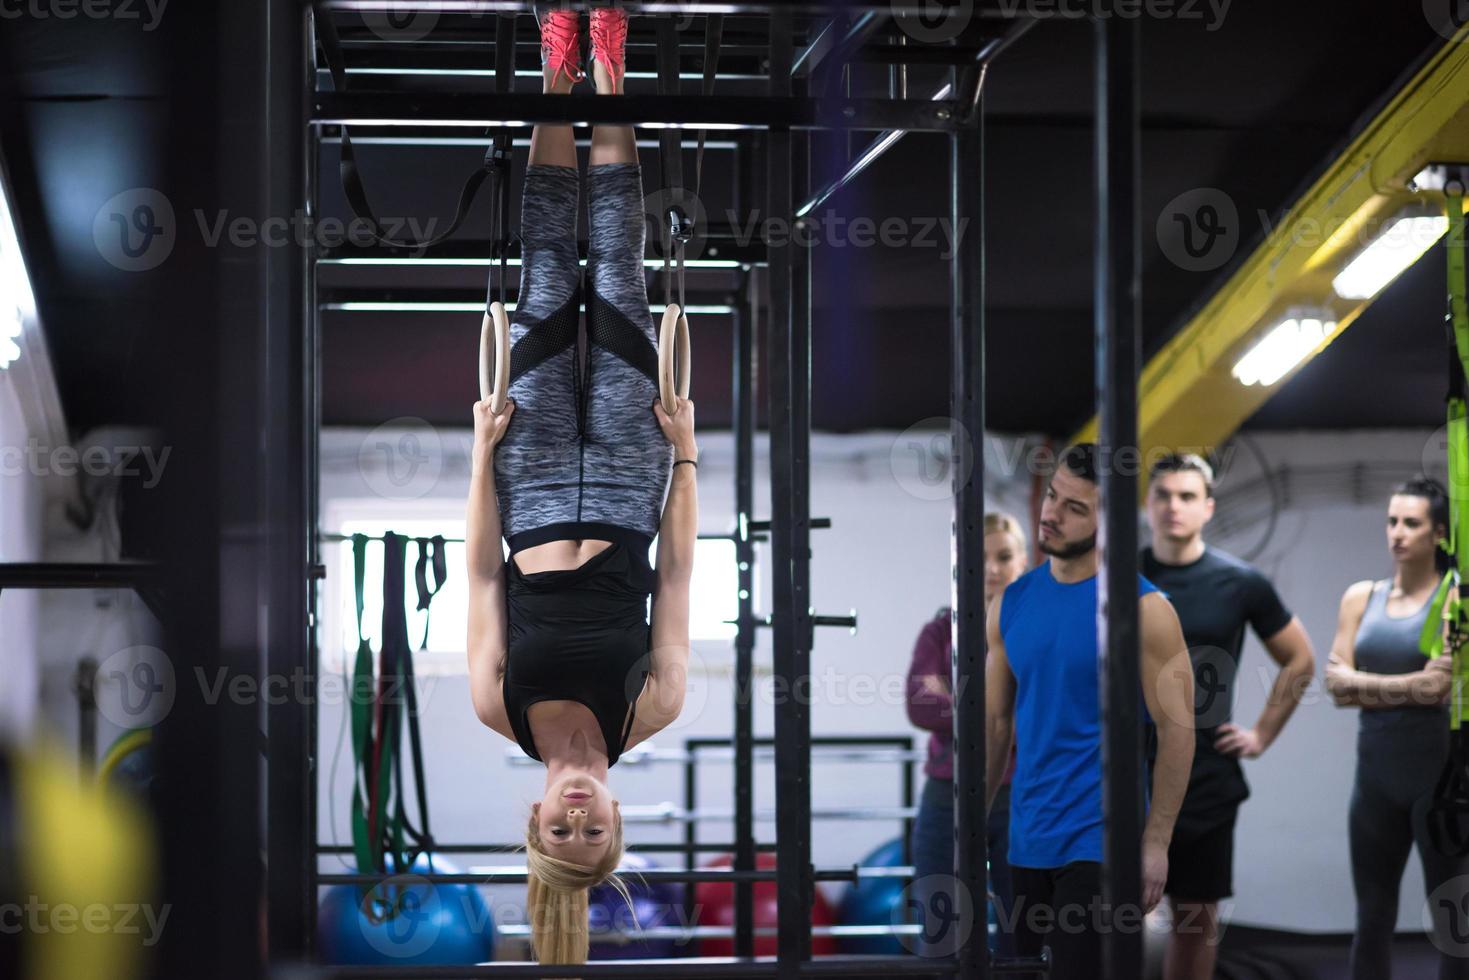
x: 1362, y: 689
x: 663, y: 693
x: 1424, y: 688
x: 1342, y: 661
x: 999, y: 706
x: 930, y: 703
x: 485, y: 558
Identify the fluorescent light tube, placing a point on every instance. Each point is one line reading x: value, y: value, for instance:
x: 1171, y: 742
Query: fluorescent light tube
x: 1391, y: 254
x: 1280, y: 350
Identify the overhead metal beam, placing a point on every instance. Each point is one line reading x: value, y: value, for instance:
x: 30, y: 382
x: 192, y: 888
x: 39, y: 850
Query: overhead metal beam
x: 898, y: 8
x: 836, y: 44
x: 943, y: 95
x: 478, y: 110
x: 1188, y: 397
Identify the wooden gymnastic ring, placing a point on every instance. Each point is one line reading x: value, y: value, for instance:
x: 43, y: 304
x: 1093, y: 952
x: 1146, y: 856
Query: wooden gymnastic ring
x: 494, y: 358
x: 675, y: 365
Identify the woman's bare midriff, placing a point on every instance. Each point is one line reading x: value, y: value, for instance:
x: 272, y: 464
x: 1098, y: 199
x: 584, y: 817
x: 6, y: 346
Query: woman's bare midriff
x: 557, y: 556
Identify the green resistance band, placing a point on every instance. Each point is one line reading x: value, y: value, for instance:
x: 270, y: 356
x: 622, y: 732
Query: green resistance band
x: 1447, y: 603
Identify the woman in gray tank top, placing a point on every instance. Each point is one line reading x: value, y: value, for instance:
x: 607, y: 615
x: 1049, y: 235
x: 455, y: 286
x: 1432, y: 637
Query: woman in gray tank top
x: 1402, y: 736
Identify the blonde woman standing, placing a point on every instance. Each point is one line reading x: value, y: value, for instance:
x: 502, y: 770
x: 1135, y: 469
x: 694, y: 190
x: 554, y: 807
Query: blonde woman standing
x: 931, y: 707
x: 562, y: 657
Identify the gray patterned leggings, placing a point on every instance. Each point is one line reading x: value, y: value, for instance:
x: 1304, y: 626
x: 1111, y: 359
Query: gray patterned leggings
x: 583, y: 456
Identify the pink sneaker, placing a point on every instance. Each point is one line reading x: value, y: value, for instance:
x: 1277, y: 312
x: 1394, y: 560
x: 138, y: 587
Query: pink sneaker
x: 560, y: 42
x: 609, y: 39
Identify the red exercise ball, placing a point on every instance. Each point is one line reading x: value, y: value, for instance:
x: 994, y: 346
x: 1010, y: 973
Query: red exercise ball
x: 714, y: 905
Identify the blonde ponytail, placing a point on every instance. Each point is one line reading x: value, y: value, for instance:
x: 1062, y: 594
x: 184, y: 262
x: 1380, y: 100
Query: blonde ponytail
x: 557, y: 896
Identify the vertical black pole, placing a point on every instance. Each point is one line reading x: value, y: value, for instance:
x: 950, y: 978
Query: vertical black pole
x: 286, y: 389
x: 792, y: 719
x: 690, y: 827
x: 966, y: 408
x: 312, y: 370
x: 907, y: 802
x: 1117, y: 304
x: 744, y: 720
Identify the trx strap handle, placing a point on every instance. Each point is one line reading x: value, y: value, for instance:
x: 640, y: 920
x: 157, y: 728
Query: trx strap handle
x: 1448, y: 815
x: 331, y: 46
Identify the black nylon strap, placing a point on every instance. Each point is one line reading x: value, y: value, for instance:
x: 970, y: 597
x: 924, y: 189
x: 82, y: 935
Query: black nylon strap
x: 11, y: 889
x: 331, y: 46
x: 546, y: 339
x: 501, y: 150
x: 670, y: 142
x: 1448, y: 814
x: 609, y: 329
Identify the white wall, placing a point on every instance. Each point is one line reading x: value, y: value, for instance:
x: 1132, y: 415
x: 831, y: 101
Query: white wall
x: 887, y: 556
x: 22, y: 502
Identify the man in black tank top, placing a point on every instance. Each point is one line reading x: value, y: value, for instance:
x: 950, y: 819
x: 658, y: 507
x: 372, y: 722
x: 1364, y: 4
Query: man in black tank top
x: 1216, y: 596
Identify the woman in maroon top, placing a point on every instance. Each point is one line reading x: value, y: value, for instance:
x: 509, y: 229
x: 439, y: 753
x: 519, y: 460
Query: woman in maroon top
x: 930, y: 707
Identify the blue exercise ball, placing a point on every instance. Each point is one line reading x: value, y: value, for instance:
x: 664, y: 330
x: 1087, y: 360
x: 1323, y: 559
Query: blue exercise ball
x: 615, y: 926
x: 130, y: 766
x: 406, y: 921
x: 875, y: 902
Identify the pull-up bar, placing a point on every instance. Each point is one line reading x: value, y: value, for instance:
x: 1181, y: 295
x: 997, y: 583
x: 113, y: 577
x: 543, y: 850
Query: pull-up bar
x: 523, y: 109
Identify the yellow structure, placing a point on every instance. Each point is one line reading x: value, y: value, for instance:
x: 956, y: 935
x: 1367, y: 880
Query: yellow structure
x: 1187, y: 395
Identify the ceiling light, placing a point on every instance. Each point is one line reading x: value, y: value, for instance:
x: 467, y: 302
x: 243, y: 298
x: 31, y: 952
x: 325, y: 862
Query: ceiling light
x: 10, y: 329
x: 1408, y: 236
x: 1280, y: 350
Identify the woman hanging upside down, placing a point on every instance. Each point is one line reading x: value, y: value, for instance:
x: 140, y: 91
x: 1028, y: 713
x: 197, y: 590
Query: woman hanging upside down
x: 562, y: 657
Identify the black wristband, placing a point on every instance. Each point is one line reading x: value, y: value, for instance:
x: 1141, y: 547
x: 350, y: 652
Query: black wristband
x: 691, y: 462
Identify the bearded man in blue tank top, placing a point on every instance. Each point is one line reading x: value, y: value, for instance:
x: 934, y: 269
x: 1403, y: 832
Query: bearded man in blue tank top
x: 1042, y: 695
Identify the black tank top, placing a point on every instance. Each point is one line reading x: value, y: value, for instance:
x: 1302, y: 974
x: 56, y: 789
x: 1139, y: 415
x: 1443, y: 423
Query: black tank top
x: 580, y: 634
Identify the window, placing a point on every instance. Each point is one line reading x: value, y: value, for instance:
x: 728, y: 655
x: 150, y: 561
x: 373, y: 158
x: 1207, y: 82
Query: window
x: 712, y: 593
x: 446, y: 616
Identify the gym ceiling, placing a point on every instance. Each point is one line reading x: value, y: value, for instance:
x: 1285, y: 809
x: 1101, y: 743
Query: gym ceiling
x: 1255, y: 105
